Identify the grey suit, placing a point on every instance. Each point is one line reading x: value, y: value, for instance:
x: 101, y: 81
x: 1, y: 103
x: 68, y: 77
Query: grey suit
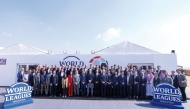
x: 181, y: 78
x: 76, y: 81
x: 48, y: 84
x: 167, y: 80
x: 182, y: 86
x: 36, y: 83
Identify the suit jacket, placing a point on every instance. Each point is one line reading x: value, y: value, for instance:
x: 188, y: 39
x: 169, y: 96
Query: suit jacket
x: 110, y: 79
x: 48, y: 78
x: 137, y: 79
x: 122, y: 79
x: 181, y: 78
x: 130, y: 80
x: 90, y: 76
x: 19, y: 76
x: 143, y: 81
x: 31, y: 79
x: 65, y: 82
x: 156, y: 81
x: 83, y: 78
x: 60, y: 78
x: 103, y: 78
x: 159, y: 72
x: 42, y: 78
x: 70, y: 79
x: 76, y: 78
x: 54, y: 79
x: 36, y: 79
x: 97, y: 78
x: 115, y: 79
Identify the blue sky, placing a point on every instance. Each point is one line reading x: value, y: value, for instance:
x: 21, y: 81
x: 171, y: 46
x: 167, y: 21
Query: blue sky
x: 85, y: 25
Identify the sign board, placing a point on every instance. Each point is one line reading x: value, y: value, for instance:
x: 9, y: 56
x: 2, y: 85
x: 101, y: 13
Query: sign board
x: 18, y: 94
x: 166, y: 95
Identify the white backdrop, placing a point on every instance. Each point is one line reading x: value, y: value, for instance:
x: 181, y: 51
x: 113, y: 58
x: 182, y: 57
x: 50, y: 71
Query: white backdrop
x: 8, y: 72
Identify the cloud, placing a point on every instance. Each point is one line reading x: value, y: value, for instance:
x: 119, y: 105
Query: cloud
x: 49, y: 28
x: 111, y: 33
x: 1, y: 48
x: 7, y: 34
x: 176, y: 35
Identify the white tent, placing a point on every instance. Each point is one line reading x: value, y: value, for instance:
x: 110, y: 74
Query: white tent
x: 126, y: 48
x: 21, y: 49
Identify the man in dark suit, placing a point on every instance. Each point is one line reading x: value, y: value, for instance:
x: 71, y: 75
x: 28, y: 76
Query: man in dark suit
x: 122, y: 81
x: 83, y: 83
x: 97, y: 83
x: 115, y: 84
x: 20, y: 75
x: 158, y: 70
x: 60, y: 76
x: 103, y: 80
x: 129, y: 83
x: 109, y: 84
x: 68, y: 70
x: 156, y: 80
x: 143, y: 81
x: 182, y: 84
x: 54, y: 83
x: 90, y: 82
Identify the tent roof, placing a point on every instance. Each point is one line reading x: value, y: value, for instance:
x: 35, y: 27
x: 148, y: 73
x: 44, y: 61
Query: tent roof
x: 126, y: 48
x: 21, y: 49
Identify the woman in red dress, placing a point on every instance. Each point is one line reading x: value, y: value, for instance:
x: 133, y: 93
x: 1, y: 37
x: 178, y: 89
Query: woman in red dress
x: 70, y: 84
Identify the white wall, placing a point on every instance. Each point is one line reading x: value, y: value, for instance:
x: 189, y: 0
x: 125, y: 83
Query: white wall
x: 8, y: 71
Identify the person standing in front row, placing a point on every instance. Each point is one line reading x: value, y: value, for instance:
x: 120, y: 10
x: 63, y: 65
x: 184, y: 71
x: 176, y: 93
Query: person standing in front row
x: 43, y: 81
x: 90, y: 84
x: 70, y: 84
x: 83, y: 83
x: 48, y: 87
x: 129, y: 83
x: 53, y: 83
x: 143, y: 81
x: 109, y: 84
x: 76, y: 82
x: 25, y: 77
x: 182, y: 84
x: 103, y: 80
x: 20, y: 75
x: 122, y: 82
x: 136, y: 85
x: 64, y: 85
x: 115, y: 84
x: 36, y: 81
x: 97, y: 83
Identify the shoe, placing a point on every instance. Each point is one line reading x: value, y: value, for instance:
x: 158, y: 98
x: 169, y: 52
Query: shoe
x: 62, y: 96
x: 54, y: 96
x: 92, y: 96
x: 51, y: 96
x: 86, y: 95
x: 65, y: 96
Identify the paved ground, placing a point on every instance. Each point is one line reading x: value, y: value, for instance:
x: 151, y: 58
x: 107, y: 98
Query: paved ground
x: 86, y: 104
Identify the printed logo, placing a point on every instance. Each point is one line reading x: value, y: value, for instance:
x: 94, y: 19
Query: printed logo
x: 3, y: 61
x: 168, y: 96
x: 98, y: 60
x: 71, y: 60
x: 18, y: 94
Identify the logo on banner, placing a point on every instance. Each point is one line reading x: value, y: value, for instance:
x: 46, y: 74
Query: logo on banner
x: 168, y: 96
x: 71, y: 60
x: 98, y: 60
x: 3, y: 61
x: 18, y: 94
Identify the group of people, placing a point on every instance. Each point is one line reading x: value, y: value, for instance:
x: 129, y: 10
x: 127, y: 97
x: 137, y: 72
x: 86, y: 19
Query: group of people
x: 131, y: 82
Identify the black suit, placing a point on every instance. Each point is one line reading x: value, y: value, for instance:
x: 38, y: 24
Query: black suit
x: 129, y: 85
x: 156, y: 81
x: 136, y: 86
x: 109, y: 86
x: 97, y: 85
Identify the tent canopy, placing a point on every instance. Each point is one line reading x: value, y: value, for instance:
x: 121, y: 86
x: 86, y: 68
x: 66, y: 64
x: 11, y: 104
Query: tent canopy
x: 21, y: 49
x: 126, y: 48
